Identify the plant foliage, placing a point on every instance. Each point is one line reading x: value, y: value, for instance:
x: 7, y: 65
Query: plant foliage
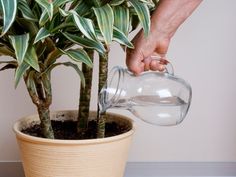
x: 35, y: 33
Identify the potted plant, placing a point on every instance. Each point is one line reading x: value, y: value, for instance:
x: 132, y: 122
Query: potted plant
x: 35, y: 34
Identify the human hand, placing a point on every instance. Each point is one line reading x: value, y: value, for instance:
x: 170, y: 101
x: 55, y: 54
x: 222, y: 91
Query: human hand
x: 166, y: 19
x: 140, y: 58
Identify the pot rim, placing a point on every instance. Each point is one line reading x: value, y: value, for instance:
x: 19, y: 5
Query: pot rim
x: 33, y: 139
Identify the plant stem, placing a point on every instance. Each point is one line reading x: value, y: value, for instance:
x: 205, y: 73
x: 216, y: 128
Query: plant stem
x: 101, y: 118
x: 44, y: 115
x: 39, y: 90
x: 85, y: 95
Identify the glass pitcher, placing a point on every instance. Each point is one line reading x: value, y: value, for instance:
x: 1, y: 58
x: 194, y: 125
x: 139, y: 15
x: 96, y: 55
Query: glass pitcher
x: 159, y: 98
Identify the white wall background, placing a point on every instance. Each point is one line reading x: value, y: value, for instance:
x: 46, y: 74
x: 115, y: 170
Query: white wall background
x: 203, y: 52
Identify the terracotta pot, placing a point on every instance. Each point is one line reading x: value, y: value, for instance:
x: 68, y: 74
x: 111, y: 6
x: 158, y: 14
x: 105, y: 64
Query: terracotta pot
x: 73, y: 158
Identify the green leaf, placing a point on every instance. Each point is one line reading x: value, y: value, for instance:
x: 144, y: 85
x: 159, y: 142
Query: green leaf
x: 86, y: 42
x: 20, y: 44
x: 31, y: 58
x: 79, y: 55
x: 143, y: 14
x: 43, y: 18
x: 105, y: 19
x: 116, y: 2
x: 9, y: 8
x: 121, y: 19
x: 26, y: 11
x: 47, y: 5
x: 42, y: 34
x: 120, y: 37
x: 85, y: 25
x: 20, y: 71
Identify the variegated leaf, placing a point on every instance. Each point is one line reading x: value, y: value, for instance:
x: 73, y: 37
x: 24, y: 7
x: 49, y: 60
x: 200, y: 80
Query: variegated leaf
x: 9, y: 9
x: 20, y: 71
x: 86, y: 42
x: 20, y: 44
x: 85, y: 25
x: 143, y: 14
x: 42, y: 34
x: 26, y: 11
x: 105, y: 19
x: 58, y: 3
x: 79, y: 55
x: 121, y: 19
x: 82, y: 8
x: 43, y: 18
x: 47, y: 5
x: 116, y: 2
x: 31, y: 58
x: 121, y: 38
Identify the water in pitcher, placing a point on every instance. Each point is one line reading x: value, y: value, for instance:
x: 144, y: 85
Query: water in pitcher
x: 156, y: 110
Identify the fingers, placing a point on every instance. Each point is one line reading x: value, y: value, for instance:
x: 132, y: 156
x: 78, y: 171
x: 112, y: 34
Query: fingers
x: 134, y: 62
x: 139, y: 59
x: 156, y: 66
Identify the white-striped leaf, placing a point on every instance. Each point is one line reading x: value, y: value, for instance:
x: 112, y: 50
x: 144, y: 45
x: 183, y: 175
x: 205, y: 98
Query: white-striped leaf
x: 20, y: 44
x: 116, y: 2
x: 31, y: 58
x: 20, y: 71
x: 85, y: 25
x: 9, y: 8
x: 79, y: 55
x: 143, y: 14
x: 121, y: 19
x: 105, y: 19
x: 43, y: 18
x: 26, y: 11
x: 47, y: 5
x: 63, y: 12
x: 150, y: 3
x: 86, y: 42
x: 121, y: 38
x: 41, y: 35
x: 58, y: 3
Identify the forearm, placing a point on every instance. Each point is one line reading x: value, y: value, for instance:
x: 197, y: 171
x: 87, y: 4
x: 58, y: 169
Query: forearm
x: 170, y: 14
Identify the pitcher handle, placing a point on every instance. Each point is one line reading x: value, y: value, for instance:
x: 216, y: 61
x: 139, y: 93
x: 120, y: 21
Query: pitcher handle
x: 168, y: 66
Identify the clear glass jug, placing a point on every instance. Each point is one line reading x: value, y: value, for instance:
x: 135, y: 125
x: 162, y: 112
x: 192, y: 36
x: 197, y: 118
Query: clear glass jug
x: 158, y: 98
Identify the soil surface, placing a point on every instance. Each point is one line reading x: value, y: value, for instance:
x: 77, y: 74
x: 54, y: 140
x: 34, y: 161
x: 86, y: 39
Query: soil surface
x: 68, y: 130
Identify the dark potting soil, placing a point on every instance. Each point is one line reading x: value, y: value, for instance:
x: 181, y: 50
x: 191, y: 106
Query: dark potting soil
x: 68, y: 130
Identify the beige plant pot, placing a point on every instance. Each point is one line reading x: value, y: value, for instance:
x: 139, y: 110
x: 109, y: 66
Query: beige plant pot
x: 73, y: 158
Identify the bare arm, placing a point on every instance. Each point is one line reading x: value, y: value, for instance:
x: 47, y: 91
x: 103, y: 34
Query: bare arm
x: 168, y: 16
